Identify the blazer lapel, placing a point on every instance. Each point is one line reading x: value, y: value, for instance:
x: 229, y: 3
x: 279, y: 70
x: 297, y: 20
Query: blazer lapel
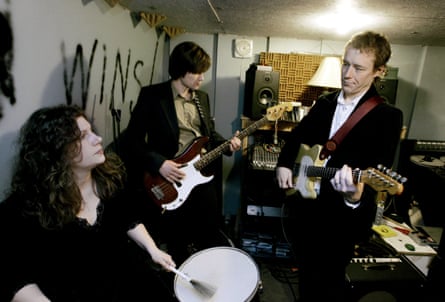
x: 168, y: 107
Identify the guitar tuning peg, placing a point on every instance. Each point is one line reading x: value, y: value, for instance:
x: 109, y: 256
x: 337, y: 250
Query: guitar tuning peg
x: 382, y: 168
x: 394, y: 174
x: 403, y: 180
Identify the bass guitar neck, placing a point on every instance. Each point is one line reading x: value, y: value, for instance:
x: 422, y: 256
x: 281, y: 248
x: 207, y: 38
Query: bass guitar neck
x: 170, y: 196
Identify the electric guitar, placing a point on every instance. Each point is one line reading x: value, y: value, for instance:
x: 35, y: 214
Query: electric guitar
x: 170, y: 196
x: 309, y: 168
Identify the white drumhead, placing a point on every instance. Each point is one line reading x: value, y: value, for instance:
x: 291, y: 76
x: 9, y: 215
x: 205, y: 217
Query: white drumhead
x: 231, y: 271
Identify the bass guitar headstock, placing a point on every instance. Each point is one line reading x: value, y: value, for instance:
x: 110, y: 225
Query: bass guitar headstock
x: 276, y: 112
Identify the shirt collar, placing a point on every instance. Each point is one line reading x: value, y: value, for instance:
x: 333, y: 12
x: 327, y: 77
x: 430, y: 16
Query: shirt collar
x: 354, y: 102
x: 177, y: 95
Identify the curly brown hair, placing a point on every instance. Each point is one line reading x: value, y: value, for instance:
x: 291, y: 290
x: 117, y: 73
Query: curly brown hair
x: 43, y: 177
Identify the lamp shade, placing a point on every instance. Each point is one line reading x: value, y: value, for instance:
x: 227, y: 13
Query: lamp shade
x: 328, y: 73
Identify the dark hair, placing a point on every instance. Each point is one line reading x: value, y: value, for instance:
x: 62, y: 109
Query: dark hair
x: 372, y: 42
x: 188, y: 57
x: 43, y: 177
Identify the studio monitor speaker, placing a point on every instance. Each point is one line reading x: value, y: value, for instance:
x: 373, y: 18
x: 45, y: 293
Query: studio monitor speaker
x: 261, y: 91
x: 387, y: 88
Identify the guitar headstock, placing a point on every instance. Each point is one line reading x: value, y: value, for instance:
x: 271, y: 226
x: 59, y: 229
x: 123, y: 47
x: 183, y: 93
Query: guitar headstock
x: 383, y: 179
x: 276, y: 112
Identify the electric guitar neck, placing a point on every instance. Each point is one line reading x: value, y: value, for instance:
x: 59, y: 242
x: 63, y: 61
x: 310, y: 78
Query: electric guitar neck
x: 309, y: 168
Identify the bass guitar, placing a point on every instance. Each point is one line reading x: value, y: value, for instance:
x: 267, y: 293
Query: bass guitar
x: 309, y: 168
x: 170, y: 196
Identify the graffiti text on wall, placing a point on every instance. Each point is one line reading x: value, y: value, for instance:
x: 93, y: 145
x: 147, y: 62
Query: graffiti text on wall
x: 85, y: 75
x: 6, y: 58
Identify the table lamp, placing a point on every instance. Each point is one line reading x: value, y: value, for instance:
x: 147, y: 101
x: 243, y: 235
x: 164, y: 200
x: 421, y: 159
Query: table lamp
x: 328, y: 74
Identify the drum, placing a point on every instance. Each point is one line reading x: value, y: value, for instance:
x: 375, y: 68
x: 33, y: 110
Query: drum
x: 231, y: 271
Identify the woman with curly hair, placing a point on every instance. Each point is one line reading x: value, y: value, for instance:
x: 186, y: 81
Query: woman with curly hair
x: 66, y: 223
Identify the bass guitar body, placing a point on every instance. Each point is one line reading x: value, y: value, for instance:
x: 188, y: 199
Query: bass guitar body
x: 170, y: 196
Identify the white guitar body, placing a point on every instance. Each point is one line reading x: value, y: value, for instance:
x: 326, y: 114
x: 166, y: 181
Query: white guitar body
x: 192, y: 179
x: 303, y: 185
x: 307, y: 157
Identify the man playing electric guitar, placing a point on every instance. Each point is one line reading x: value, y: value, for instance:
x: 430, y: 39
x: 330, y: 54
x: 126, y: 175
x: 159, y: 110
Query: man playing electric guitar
x: 166, y: 119
x: 324, y: 229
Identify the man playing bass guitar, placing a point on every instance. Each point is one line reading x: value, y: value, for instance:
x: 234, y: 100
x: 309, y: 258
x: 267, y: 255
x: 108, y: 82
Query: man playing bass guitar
x: 167, y: 118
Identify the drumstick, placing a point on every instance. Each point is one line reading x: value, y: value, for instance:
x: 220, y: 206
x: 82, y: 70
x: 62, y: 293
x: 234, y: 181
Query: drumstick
x: 203, y: 288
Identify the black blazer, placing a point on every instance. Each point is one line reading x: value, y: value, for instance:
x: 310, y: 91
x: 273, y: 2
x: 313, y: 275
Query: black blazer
x: 372, y: 141
x: 152, y: 134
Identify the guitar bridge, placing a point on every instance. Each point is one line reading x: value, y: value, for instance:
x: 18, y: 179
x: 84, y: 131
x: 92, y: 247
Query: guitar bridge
x: 157, y: 192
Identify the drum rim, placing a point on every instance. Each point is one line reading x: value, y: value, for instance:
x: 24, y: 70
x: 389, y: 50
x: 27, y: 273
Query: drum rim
x: 181, y: 267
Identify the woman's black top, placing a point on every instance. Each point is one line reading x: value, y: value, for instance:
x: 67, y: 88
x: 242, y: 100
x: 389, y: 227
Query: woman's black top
x: 79, y: 262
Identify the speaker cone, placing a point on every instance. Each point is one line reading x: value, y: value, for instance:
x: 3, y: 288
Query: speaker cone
x: 265, y: 96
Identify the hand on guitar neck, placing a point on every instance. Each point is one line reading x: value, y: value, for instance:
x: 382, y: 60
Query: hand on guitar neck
x: 344, y: 182
x: 309, y: 169
x: 179, y: 176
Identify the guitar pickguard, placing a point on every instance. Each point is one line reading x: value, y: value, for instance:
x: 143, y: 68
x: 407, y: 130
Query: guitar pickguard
x: 305, y: 186
x: 307, y: 157
x: 182, y: 189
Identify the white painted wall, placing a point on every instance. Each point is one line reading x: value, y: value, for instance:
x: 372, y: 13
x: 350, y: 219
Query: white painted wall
x: 41, y: 27
x: 428, y: 121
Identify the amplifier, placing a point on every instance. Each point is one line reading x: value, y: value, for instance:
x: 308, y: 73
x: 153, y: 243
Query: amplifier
x: 423, y: 163
x: 380, y: 279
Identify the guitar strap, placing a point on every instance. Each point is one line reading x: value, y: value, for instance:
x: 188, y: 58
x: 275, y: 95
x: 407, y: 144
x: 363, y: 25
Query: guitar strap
x: 331, y: 145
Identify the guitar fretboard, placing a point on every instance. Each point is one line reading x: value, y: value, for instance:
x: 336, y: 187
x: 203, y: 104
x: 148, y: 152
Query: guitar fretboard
x: 327, y: 172
x: 215, y: 153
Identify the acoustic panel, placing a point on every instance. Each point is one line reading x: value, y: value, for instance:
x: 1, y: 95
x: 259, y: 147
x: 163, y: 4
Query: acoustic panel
x: 295, y: 71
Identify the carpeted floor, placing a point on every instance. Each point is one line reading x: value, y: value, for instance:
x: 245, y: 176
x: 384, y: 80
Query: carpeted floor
x: 279, y: 281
